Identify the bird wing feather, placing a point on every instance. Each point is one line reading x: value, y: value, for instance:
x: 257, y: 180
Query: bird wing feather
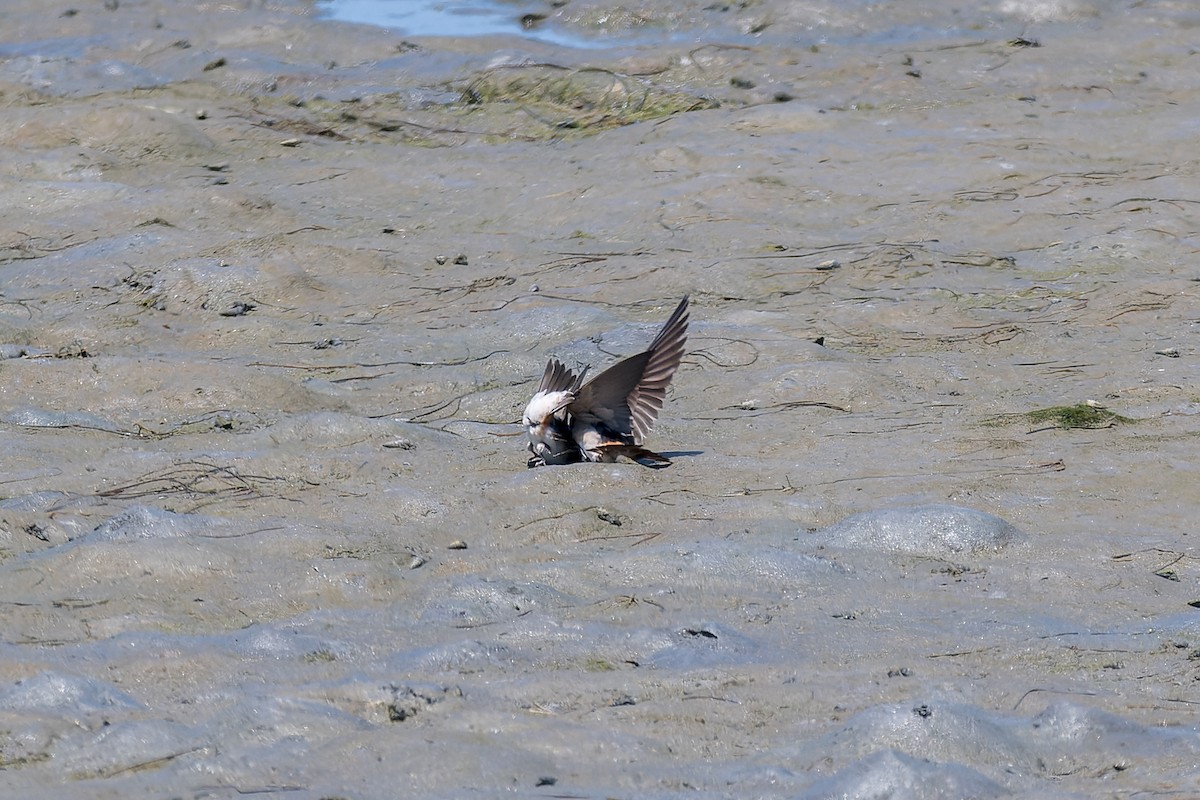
x: 627, y: 396
x: 557, y: 378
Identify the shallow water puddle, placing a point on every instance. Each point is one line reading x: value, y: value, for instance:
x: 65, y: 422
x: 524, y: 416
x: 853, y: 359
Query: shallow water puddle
x: 434, y: 18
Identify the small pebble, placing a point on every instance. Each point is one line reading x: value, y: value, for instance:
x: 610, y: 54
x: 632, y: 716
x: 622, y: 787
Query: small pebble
x: 1169, y: 352
x: 457, y: 544
x: 607, y: 516
x: 416, y: 562
x: 237, y: 309
x: 440, y: 259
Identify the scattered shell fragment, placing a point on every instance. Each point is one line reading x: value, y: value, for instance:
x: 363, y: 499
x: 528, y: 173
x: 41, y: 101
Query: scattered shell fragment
x: 457, y: 544
x: 416, y: 562
x: 1169, y: 352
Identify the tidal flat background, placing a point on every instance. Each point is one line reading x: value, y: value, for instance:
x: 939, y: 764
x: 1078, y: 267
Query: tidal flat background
x: 274, y: 289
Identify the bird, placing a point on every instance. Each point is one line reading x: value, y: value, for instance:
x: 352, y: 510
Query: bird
x: 608, y: 417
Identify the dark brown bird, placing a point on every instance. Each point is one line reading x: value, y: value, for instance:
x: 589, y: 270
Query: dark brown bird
x: 609, y: 416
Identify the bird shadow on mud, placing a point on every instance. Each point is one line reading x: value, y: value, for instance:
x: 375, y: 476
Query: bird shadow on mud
x: 674, y: 454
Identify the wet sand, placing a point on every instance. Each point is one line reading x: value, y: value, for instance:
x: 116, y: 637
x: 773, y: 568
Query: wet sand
x: 275, y: 291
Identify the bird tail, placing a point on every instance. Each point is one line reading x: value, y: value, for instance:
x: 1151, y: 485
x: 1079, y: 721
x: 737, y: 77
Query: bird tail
x: 647, y: 458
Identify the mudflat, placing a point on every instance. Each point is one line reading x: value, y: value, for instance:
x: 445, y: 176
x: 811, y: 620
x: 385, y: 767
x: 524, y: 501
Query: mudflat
x: 274, y: 291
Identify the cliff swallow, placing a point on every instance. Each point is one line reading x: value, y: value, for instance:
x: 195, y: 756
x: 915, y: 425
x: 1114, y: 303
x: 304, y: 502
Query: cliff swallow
x: 609, y: 416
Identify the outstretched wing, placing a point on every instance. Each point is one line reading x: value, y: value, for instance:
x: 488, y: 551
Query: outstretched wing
x: 627, y: 396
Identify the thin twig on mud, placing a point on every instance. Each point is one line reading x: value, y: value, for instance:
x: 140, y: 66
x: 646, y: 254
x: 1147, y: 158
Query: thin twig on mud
x: 775, y: 408
x: 708, y: 356
x: 642, y: 538
x: 1032, y: 469
x: 1052, y: 691
x: 197, y: 478
x: 378, y: 365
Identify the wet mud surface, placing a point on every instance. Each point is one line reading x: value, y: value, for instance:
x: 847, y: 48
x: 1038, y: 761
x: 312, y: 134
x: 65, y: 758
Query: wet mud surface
x: 275, y: 291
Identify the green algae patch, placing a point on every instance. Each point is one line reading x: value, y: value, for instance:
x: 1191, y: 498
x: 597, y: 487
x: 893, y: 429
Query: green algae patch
x: 565, y: 100
x: 1080, y: 415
